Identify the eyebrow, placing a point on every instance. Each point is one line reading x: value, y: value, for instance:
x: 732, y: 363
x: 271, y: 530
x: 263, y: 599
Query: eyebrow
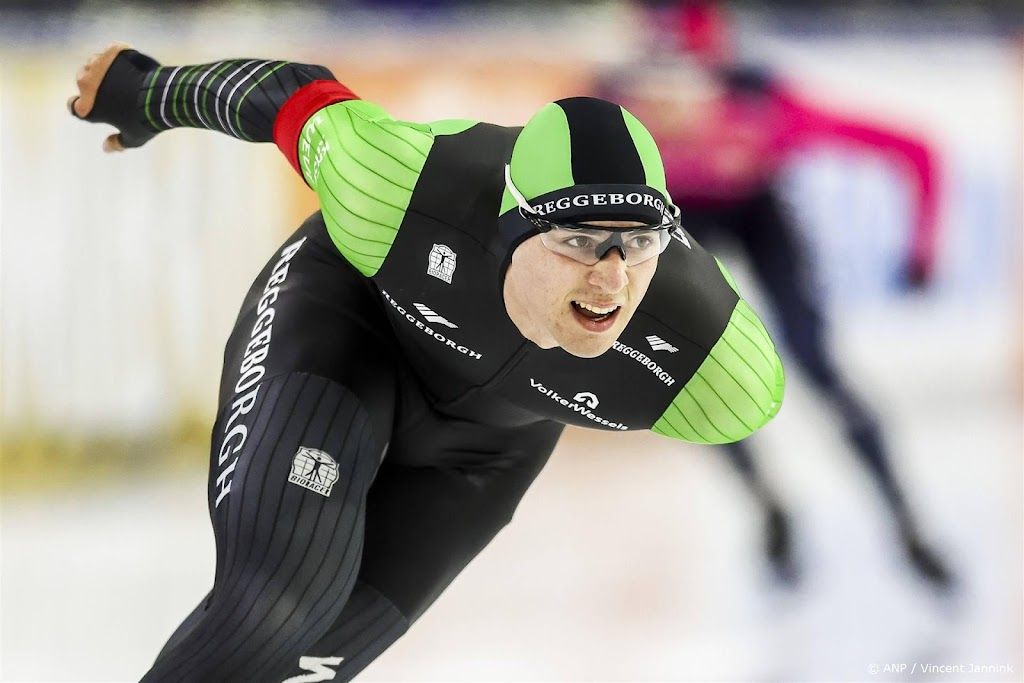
x: 594, y: 229
x: 589, y: 230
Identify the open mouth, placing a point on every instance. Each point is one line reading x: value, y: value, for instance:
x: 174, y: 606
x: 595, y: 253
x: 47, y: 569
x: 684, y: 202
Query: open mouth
x: 595, y: 318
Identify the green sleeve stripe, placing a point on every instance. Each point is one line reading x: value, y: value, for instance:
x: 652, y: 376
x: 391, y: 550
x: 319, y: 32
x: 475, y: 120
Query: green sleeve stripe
x: 729, y: 393
x: 366, y: 140
x: 367, y: 200
x: 356, y: 258
x: 176, y: 92
x: 364, y: 166
x: 679, y: 415
x: 195, y: 120
x: 226, y: 119
x: 369, y: 169
x: 391, y: 155
x: 363, y: 191
x: 395, y: 130
x: 149, y: 97
x: 753, y: 371
x: 174, y: 96
x: 755, y: 345
x: 200, y: 77
x: 381, y: 123
x: 193, y: 106
x: 751, y: 317
x: 755, y: 327
x: 744, y: 375
x: 734, y: 392
x: 238, y: 107
x: 753, y: 332
x: 675, y: 433
x: 688, y: 406
x: 701, y: 399
x: 363, y: 239
x: 206, y: 98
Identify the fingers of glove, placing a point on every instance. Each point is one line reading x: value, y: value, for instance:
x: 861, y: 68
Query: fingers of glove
x: 90, y: 76
x: 112, y: 143
x: 126, y: 139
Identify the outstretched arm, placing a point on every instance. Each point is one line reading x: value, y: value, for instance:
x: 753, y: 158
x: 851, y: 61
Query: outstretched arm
x: 811, y: 124
x: 362, y: 164
x: 140, y: 97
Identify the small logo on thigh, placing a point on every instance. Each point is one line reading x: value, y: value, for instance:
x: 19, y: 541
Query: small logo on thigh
x: 314, y: 470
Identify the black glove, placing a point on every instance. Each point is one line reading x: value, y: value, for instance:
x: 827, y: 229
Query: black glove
x: 119, y: 98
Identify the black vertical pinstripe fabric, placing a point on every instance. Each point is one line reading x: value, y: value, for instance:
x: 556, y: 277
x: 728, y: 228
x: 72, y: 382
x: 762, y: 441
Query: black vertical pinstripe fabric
x: 290, y: 555
x: 601, y: 148
x: 307, y: 583
x: 368, y: 625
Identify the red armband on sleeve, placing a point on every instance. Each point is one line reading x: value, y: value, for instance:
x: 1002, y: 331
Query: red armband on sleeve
x: 303, y: 103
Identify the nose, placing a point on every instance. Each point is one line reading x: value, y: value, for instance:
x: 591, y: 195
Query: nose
x: 609, y: 274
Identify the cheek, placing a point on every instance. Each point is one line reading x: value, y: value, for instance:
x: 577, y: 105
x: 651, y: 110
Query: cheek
x: 554, y: 293
x: 549, y: 280
x: 645, y: 281
x: 538, y: 292
x: 641, y: 280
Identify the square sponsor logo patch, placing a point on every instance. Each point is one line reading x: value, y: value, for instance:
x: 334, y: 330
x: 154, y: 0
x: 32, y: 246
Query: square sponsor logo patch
x: 441, y: 262
x: 314, y: 470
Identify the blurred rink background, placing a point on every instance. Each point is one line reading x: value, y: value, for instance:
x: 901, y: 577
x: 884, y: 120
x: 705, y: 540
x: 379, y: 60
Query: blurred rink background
x: 633, y: 557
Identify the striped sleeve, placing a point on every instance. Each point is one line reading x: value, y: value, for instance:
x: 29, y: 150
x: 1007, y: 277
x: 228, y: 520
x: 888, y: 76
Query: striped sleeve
x: 363, y: 166
x: 735, y: 391
x: 238, y: 97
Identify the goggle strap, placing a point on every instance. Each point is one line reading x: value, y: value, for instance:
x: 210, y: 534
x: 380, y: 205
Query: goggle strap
x: 520, y: 199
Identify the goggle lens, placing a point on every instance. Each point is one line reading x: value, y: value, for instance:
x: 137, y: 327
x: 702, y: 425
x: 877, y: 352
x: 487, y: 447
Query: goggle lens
x: 590, y: 245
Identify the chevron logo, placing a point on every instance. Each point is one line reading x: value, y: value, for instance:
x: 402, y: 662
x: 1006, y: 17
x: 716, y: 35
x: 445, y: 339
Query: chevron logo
x: 681, y: 236
x: 657, y: 343
x: 433, y: 317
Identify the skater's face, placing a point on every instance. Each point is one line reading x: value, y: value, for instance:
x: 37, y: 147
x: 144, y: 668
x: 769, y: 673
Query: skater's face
x: 557, y: 301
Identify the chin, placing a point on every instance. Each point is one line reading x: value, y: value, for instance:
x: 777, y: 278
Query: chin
x: 589, y: 348
x: 582, y: 344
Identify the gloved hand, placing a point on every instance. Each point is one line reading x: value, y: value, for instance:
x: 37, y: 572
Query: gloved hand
x: 109, y: 87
